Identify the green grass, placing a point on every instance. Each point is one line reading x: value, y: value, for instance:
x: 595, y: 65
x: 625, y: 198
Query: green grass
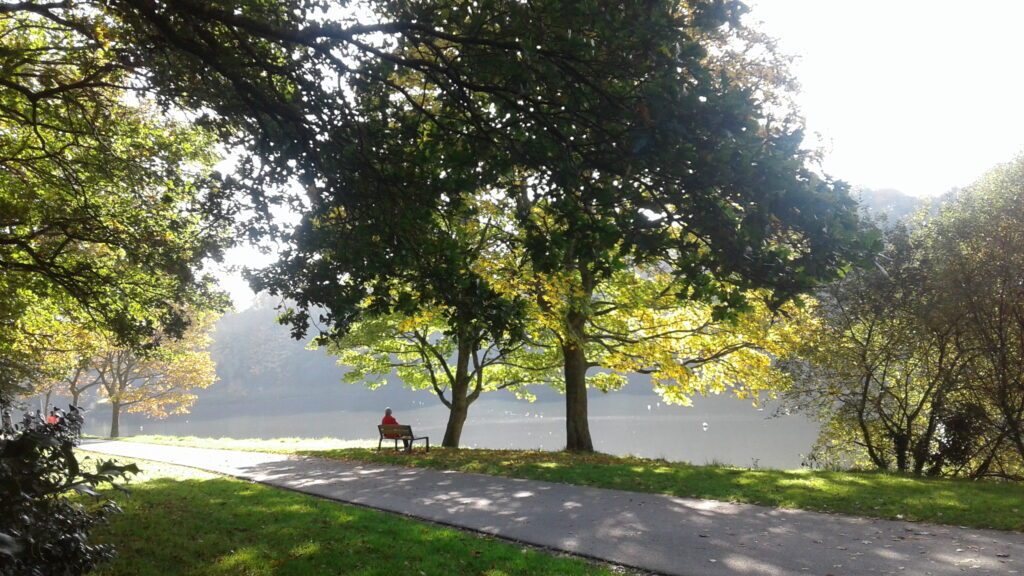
x: 183, y: 521
x: 274, y: 445
x: 997, y: 505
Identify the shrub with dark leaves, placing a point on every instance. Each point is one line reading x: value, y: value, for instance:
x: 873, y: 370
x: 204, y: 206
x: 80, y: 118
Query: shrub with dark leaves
x: 42, y: 530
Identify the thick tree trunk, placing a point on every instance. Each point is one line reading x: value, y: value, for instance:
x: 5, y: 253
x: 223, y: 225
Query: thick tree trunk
x: 115, y: 415
x: 456, y: 419
x: 459, y: 409
x: 577, y: 427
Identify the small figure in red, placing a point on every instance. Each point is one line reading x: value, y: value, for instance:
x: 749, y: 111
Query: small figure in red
x: 388, y: 419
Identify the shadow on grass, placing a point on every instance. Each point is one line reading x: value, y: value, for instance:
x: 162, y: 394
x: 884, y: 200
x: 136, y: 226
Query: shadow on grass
x: 977, y: 504
x: 224, y: 526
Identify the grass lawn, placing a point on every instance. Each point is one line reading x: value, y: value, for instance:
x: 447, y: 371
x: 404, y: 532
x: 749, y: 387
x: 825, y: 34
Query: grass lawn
x: 183, y: 521
x: 275, y: 445
x: 959, y: 502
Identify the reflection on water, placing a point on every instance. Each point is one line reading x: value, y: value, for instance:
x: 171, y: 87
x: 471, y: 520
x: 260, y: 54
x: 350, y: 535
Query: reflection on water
x: 717, y: 429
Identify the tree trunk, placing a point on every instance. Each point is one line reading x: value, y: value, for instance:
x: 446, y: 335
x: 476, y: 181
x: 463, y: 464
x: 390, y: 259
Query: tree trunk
x: 456, y: 419
x: 115, y: 415
x: 459, y: 409
x: 865, y: 430
x: 923, y: 454
x: 577, y: 427
x: 901, y: 445
x: 6, y: 422
x: 982, y: 470
x: 74, y: 398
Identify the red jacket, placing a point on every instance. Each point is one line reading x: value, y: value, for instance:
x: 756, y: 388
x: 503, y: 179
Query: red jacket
x: 388, y: 419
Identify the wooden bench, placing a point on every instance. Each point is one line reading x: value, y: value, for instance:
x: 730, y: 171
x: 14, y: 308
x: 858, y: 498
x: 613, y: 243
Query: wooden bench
x: 398, y: 432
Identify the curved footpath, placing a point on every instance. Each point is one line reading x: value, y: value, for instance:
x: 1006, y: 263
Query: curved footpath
x: 651, y: 532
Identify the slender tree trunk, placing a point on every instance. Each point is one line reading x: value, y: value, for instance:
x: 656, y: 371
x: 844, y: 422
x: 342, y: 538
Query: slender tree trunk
x: 986, y: 464
x: 865, y: 430
x: 1018, y: 440
x: 901, y: 445
x: 46, y: 409
x: 74, y: 397
x: 115, y: 416
x: 923, y: 448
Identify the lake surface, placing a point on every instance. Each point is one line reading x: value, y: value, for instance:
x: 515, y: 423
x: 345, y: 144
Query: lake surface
x: 632, y: 421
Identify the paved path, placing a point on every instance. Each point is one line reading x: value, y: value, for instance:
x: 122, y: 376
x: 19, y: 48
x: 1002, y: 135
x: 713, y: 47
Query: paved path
x: 651, y: 532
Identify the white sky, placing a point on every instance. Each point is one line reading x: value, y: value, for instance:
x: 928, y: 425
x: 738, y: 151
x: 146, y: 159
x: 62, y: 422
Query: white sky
x: 916, y: 95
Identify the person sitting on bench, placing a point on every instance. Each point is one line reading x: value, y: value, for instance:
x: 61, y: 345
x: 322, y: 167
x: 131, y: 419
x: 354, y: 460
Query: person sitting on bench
x: 388, y: 419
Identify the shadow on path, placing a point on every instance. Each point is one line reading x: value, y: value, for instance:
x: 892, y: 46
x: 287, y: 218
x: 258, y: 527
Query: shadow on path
x: 219, y: 525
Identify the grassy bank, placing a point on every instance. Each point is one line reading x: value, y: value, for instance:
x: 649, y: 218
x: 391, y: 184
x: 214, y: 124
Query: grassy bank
x: 977, y: 504
x: 183, y: 521
x: 273, y: 445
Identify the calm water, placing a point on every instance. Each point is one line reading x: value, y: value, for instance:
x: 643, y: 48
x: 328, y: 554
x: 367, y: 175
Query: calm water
x: 621, y: 423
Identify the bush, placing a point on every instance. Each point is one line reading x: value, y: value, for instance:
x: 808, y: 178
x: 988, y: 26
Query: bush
x: 42, y: 531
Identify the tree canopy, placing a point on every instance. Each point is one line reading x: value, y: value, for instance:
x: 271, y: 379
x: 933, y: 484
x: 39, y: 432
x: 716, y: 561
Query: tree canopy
x: 652, y: 135
x: 657, y: 146
x: 108, y: 209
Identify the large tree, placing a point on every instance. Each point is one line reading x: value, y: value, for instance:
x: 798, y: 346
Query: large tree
x: 107, y: 210
x: 887, y: 361
x: 649, y: 141
x: 697, y: 173
x: 103, y: 204
x: 419, y: 289
x: 976, y: 257
x: 106, y: 216
x: 916, y: 365
x: 645, y: 132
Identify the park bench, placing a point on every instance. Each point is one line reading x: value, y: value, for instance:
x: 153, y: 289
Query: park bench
x: 398, y: 432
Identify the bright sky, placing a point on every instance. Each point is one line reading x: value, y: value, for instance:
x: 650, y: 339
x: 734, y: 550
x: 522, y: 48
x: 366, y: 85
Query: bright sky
x: 916, y: 95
